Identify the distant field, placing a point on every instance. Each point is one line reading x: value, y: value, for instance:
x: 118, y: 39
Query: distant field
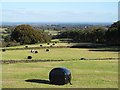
x: 52, y: 32
x: 85, y: 74
x: 57, y: 54
x: 2, y: 29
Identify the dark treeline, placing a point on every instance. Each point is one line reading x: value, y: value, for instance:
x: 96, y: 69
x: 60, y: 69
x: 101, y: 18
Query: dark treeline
x: 97, y: 35
x: 31, y: 34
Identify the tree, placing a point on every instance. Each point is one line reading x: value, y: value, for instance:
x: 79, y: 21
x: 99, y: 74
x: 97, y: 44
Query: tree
x: 112, y: 35
x: 25, y: 34
x: 97, y: 35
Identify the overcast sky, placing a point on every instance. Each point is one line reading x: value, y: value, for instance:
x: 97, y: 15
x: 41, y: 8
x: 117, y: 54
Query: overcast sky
x: 59, y: 11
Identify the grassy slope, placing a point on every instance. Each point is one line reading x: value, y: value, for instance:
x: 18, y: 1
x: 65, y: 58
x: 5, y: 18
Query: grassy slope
x: 57, y: 53
x: 38, y: 45
x: 85, y: 74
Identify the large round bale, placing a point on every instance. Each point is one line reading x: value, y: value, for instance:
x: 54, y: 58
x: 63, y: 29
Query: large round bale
x: 68, y: 42
x: 26, y: 46
x: 53, y: 44
x: 47, y: 50
x: 60, y: 76
x: 3, y: 50
x: 32, y: 51
x: 40, y: 45
x: 36, y: 51
x: 48, y: 43
x: 55, y: 41
x: 29, y: 57
x: 82, y: 58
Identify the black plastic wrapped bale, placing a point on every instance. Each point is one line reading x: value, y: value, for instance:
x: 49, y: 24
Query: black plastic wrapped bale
x: 3, y: 50
x: 60, y: 76
x: 48, y: 43
x: 40, y: 45
x: 47, y: 50
x: 29, y: 57
x: 26, y: 46
x: 36, y: 51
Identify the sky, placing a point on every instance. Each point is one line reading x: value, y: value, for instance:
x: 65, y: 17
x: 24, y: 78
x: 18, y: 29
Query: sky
x: 59, y: 11
x: 59, y: 0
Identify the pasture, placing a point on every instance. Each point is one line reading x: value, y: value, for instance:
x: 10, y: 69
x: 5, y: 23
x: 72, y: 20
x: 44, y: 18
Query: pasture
x: 52, y: 32
x: 57, y: 54
x: 38, y: 45
x: 85, y: 73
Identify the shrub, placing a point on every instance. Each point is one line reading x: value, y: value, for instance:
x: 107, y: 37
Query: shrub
x: 12, y: 43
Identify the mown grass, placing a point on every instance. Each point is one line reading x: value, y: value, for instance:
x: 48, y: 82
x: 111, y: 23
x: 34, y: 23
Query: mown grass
x: 38, y: 45
x: 57, y: 54
x: 85, y: 74
x: 2, y: 29
x: 52, y: 32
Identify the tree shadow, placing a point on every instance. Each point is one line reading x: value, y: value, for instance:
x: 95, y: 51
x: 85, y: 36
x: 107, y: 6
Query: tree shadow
x: 88, y: 45
x: 38, y: 81
x: 97, y: 47
x: 105, y: 50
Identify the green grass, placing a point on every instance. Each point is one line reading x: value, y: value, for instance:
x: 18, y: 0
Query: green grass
x: 38, y: 45
x: 85, y: 74
x: 2, y: 29
x: 52, y: 32
x: 57, y: 54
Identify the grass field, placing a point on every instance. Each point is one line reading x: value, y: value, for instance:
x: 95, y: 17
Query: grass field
x: 52, y: 32
x: 57, y: 54
x: 38, y: 45
x: 2, y: 29
x: 85, y: 74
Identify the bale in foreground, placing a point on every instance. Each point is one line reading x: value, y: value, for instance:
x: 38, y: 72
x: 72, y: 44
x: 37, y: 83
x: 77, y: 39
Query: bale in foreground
x: 60, y: 76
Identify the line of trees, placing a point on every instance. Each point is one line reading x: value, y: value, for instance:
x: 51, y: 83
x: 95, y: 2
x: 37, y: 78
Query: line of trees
x: 26, y: 34
x: 98, y: 35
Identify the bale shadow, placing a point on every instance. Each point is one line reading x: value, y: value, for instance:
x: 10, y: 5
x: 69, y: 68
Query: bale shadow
x: 38, y: 81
